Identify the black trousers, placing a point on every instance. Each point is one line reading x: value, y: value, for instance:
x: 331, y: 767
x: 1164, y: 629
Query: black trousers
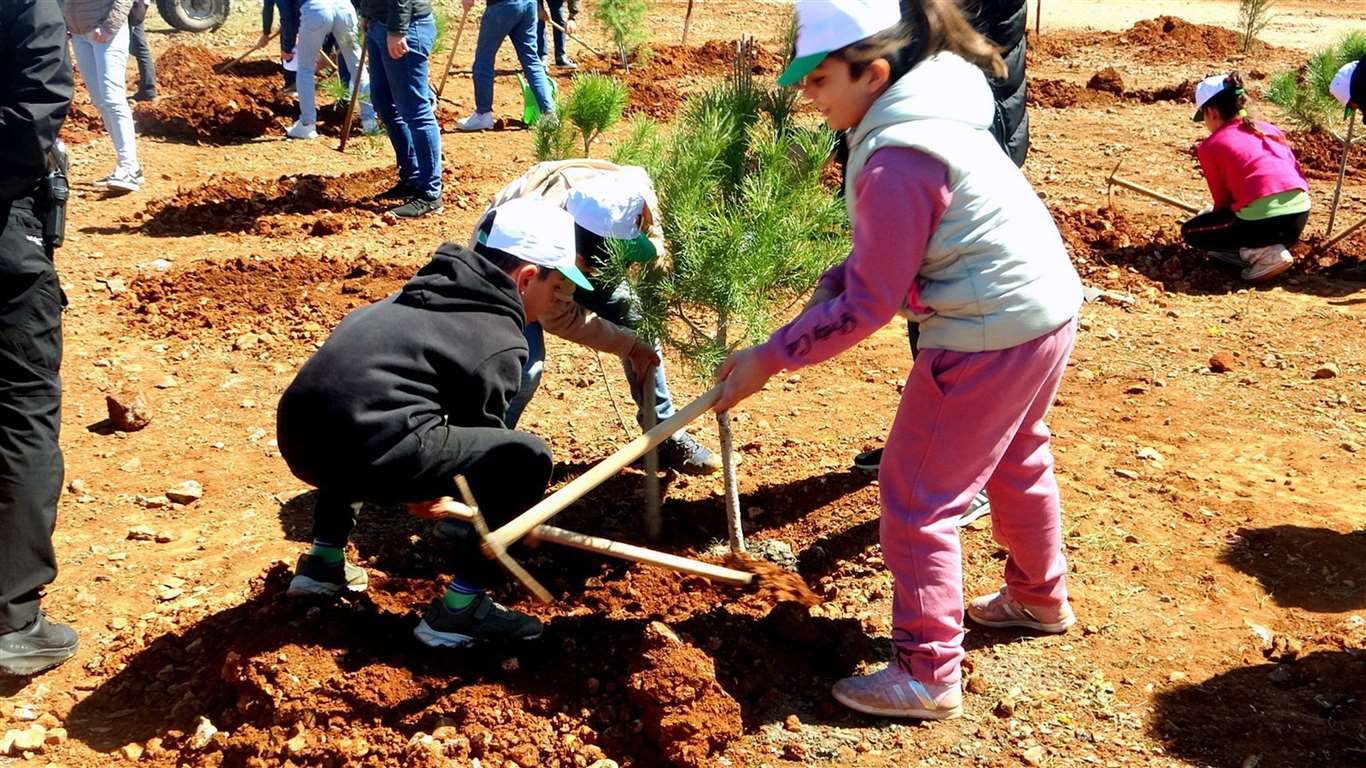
x: 508, y: 471
x: 1224, y: 231
x: 31, y: 303
x: 147, y: 68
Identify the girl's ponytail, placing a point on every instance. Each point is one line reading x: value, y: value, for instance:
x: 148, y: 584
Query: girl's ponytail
x: 1231, y: 103
x: 939, y: 25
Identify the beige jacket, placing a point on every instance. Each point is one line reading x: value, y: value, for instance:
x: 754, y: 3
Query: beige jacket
x: 551, y: 181
x: 83, y: 16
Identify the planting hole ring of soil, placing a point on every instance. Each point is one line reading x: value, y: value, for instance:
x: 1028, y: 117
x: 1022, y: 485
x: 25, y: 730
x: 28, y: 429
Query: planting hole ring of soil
x: 656, y: 82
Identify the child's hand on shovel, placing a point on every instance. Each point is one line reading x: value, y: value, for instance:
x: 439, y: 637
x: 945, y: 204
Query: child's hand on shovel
x: 438, y: 509
x: 743, y: 374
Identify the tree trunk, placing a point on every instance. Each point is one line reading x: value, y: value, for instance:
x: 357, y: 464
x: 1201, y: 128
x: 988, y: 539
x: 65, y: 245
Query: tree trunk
x: 737, y: 533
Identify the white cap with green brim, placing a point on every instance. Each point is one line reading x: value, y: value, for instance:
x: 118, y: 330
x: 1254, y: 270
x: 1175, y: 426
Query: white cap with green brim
x: 1207, y: 89
x: 825, y: 26
x: 538, y: 233
x: 612, y: 206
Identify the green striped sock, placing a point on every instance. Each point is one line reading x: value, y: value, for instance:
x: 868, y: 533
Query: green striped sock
x: 327, y: 554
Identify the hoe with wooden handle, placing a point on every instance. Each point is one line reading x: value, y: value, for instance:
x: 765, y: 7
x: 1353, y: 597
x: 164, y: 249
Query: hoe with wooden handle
x: 1117, y: 180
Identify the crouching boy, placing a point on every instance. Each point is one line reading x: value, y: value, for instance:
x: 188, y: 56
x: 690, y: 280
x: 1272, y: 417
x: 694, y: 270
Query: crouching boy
x: 412, y: 390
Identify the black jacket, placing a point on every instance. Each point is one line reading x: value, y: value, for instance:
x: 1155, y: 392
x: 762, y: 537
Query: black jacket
x: 1004, y: 22
x: 35, y: 91
x: 446, y: 349
x: 394, y: 14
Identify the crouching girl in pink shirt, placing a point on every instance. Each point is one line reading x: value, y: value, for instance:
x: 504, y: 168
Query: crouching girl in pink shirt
x: 1261, y: 199
x: 947, y: 229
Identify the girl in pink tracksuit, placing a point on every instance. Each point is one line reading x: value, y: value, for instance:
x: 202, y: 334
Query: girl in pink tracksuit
x: 948, y: 230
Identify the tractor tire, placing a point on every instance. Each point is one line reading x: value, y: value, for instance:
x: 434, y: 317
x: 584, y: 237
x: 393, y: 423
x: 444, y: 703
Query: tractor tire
x: 194, y: 15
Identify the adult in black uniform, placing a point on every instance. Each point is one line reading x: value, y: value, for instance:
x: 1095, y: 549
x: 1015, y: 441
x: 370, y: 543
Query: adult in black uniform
x: 35, y: 93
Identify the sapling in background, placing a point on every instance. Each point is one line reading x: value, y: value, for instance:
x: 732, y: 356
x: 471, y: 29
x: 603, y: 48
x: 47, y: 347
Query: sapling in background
x: 625, y: 21
x: 1253, y: 16
x: 1303, y: 93
x: 749, y: 228
x: 592, y: 106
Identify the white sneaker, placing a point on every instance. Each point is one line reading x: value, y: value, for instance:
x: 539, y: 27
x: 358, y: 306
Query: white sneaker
x: 893, y: 692
x: 979, y: 507
x: 302, y: 131
x: 123, y: 182
x: 1265, y: 263
x: 369, y: 127
x: 479, y: 121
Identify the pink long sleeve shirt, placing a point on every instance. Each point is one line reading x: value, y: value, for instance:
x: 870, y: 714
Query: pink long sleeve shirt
x: 1242, y: 167
x: 902, y: 194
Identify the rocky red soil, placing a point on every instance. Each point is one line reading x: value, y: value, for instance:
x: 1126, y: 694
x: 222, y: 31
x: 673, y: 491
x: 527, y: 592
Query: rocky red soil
x: 660, y: 82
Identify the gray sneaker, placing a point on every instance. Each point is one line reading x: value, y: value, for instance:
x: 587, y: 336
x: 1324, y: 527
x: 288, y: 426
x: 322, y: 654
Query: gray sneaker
x: 979, y: 507
x: 314, y: 576
x: 683, y: 453
x: 36, y: 648
x: 480, y: 621
x: 417, y: 207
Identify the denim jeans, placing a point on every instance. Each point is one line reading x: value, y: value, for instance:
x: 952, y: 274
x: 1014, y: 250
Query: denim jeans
x: 142, y: 53
x: 318, y: 19
x: 103, y: 67
x: 403, y: 99
x: 556, y: 15
x: 614, y: 306
x: 516, y: 21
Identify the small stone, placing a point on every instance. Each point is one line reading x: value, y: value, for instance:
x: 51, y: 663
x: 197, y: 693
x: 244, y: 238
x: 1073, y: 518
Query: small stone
x: 203, y: 733
x: 56, y: 736
x: 1176, y: 677
x: 1350, y: 447
x: 1137, y: 389
x: 1149, y: 454
x: 77, y: 487
x: 153, y: 502
x: 141, y: 533
x: 132, y: 752
x: 794, y: 750
x: 168, y: 382
x: 25, y: 713
x: 606, y: 762
x: 187, y: 492
x: 128, y: 411
x: 246, y: 341
x: 1221, y: 362
x: 167, y: 594
x: 28, y: 740
x: 1127, y: 474
x: 118, y: 623
x: 115, y: 285
x: 511, y: 665
x: 792, y: 723
x: 296, y: 745
x: 977, y: 684
x: 1033, y: 755
x: 1327, y: 371
x: 1005, y: 707
x: 165, y: 537
x: 1112, y: 334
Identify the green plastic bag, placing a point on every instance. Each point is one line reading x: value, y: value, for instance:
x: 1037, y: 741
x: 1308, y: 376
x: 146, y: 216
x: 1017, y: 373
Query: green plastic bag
x: 531, y: 111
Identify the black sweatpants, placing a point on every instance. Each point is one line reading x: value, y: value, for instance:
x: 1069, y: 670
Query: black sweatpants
x: 508, y: 471
x: 31, y: 303
x: 1224, y: 231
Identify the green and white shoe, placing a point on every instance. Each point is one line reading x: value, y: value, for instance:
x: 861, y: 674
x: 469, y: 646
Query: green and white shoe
x: 480, y: 621
x: 314, y: 576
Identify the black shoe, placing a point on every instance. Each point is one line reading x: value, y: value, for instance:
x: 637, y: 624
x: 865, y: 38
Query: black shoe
x: 869, y: 461
x: 399, y: 191
x: 38, y: 647
x: 480, y: 621
x: 566, y: 63
x: 417, y: 207
x: 315, y: 576
x: 145, y: 95
x: 684, y: 454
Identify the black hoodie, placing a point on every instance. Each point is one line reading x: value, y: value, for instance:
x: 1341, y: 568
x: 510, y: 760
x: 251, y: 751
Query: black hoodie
x: 447, y: 348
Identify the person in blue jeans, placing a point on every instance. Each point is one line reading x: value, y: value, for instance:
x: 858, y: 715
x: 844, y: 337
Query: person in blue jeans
x: 514, y: 20
x: 317, y: 20
x: 556, y: 8
x: 400, y: 35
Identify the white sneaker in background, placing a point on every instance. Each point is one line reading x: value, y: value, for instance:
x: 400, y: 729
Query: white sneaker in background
x: 1266, y: 263
x: 302, y: 131
x: 123, y: 182
x: 479, y: 121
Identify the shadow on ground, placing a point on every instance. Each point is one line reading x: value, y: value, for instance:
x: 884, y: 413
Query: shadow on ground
x: 1316, y: 569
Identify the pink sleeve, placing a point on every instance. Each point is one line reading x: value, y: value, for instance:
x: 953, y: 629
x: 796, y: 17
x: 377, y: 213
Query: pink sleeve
x: 902, y: 195
x: 1214, y: 174
x: 832, y: 279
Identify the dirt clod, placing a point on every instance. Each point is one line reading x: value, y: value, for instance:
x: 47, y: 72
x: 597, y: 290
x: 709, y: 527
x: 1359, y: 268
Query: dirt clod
x: 1222, y: 362
x: 128, y: 411
x: 685, y: 710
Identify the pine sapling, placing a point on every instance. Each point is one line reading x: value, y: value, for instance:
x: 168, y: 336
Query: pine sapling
x: 1253, y: 16
x: 641, y: 145
x: 749, y: 228
x: 594, y: 105
x: 625, y: 20
x: 1304, y: 93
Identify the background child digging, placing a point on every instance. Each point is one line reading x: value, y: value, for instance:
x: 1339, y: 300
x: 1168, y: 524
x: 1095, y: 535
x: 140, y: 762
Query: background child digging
x: 1261, y: 198
x: 946, y: 227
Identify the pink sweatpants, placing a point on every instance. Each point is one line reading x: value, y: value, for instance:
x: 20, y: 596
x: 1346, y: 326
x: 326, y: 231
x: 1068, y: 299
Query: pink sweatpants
x: 967, y: 420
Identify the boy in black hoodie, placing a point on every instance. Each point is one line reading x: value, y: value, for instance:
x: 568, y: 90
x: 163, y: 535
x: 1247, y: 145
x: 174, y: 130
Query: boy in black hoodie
x: 411, y: 391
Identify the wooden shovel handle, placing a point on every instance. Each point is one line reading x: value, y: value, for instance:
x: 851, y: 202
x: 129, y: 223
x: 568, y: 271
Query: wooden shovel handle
x: 599, y: 473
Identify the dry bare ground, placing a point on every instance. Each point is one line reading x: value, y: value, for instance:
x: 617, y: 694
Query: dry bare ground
x: 1215, y: 522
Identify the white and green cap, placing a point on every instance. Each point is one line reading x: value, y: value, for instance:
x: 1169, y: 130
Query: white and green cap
x: 538, y: 233
x: 612, y: 205
x: 1343, y: 84
x: 825, y: 26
